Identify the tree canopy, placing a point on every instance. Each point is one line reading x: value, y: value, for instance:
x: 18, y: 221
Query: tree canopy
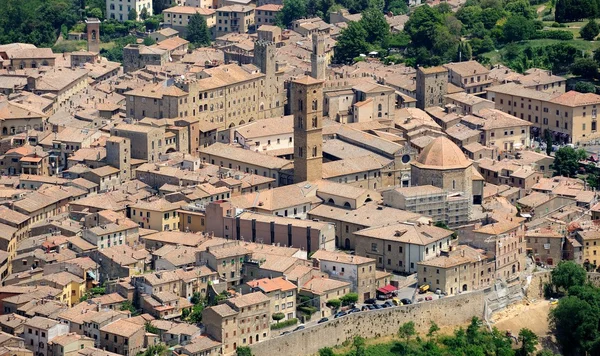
x: 198, y: 32
x: 292, y: 10
x: 566, y: 161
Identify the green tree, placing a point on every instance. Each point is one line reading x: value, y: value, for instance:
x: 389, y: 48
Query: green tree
x: 359, y: 346
x: 464, y: 52
x: 549, y: 141
x: 195, y: 315
x: 420, y: 26
x: 132, y: 15
x: 397, y: 7
x: 292, y: 10
x: 156, y: 350
x: 196, y: 298
x: 566, y: 163
x: 517, y: 28
x: 149, y: 41
x: 350, y: 43
x: 144, y: 13
x: 575, y: 324
x: 590, y: 31
x: 326, y: 351
x: 406, y: 331
x: 151, y: 328
x: 522, y: 8
x: 349, y: 298
x: 491, y: 16
x: 585, y: 67
x: 585, y: 87
x: 243, y: 351
x: 567, y: 273
x: 278, y: 316
x: 433, y: 329
x: 528, y: 340
x: 374, y: 23
x: 198, y: 31
x: 97, y: 13
x: 334, y: 303
x: 469, y: 15
x: 127, y: 305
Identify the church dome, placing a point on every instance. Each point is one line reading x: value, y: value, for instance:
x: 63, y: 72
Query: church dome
x: 442, y: 153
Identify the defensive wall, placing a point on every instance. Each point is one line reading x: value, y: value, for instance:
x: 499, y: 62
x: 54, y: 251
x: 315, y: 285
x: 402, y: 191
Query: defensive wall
x: 448, y: 311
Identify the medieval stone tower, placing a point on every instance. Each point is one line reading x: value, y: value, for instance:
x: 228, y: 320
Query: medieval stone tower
x: 432, y: 85
x: 265, y: 51
x: 118, y: 155
x: 318, y: 61
x: 93, y: 35
x: 306, y: 96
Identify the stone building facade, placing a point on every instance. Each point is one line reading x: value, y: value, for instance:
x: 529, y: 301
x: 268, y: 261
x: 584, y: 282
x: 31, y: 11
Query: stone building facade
x: 307, y: 106
x: 432, y: 85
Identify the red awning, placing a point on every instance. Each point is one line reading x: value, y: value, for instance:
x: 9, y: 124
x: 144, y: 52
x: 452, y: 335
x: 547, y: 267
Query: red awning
x: 387, y: 289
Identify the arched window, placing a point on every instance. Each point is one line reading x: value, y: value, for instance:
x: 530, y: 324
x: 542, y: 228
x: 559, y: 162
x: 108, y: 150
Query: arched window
x: 314, y: 122
x: 314, y: 151
x: 314, y: 105
x: 300, y: 152
x: 453, y: 184
x: 379, y: 107
x: 300, y: 105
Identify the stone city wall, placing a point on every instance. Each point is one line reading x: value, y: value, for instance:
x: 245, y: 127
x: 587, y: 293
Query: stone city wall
x: 449, y: 311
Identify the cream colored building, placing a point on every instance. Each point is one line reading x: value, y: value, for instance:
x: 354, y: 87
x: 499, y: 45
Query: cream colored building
x: 234, y: 19
x: 570, y: 117
x: 459, y: 269
x: 159, y: 215
x: 63, y: 83
x: 321, y: 290
x: 399, y: 247
x: 499, y: 129
x: 119, y: 10
x: 505, y: 241
x: 359, y: 271
x: 267, y: 14
x: 281, y: 292
x: 470, y: 75
x: 233, y: 95
x: 178, y: 17
x: 240, y: 321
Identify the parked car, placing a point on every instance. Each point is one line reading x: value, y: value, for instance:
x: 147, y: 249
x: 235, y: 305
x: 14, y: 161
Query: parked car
x: 322, y: 320
x: 405, y: 301
x: 300, y: 327
x: 389, y: 303
x: 284, y: 333
x: 371, y: 301
x: 340, y: 314
x: 365, y: 307
x: 371, y: 306
x: 428, y: 298
x: 383, y: 305
x: 353, y: 310
x: 397, y: 301
x: 377, y: 306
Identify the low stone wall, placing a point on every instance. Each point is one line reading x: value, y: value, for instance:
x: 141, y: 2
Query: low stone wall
x: 449, y: 311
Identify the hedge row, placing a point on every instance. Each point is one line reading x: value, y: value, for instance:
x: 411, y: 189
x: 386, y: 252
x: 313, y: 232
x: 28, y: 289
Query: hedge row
x: 284, y: 324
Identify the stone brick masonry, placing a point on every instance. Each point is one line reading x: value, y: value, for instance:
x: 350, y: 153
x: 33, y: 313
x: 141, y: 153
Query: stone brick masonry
x: 450, y: 311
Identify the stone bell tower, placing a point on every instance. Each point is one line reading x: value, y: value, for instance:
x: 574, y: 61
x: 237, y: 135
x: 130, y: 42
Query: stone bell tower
x: 93, y: 35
